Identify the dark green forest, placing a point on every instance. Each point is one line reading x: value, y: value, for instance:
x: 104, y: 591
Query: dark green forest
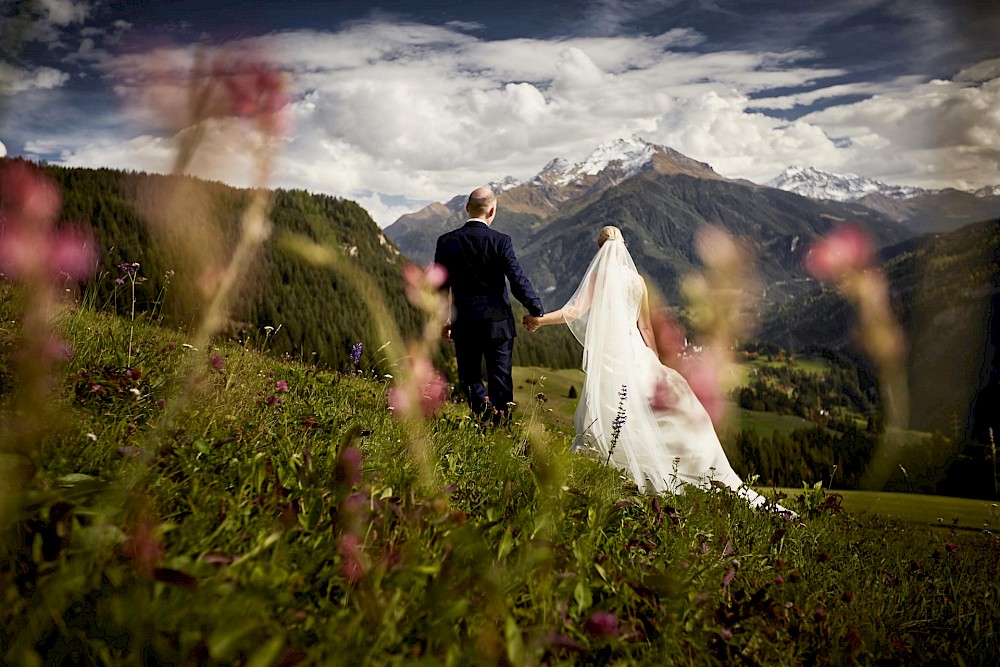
x: 314, y: 315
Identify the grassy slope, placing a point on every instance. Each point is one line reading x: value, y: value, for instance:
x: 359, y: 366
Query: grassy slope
x: 232, y: 546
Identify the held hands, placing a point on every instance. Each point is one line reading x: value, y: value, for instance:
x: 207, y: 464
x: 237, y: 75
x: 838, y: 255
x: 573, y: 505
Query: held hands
x: 531, y: 323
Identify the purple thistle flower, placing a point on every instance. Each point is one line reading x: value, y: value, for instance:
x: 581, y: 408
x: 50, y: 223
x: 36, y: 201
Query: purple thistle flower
x: 119, y: 281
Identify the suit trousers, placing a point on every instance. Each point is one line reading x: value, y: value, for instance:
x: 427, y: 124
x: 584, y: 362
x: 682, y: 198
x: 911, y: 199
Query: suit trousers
x: 498, y: 354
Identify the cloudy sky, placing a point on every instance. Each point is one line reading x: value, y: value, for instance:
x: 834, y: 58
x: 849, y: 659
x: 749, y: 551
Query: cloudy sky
x: 396, y: 104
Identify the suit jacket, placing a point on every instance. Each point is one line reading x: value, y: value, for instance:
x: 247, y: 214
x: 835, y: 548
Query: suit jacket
x: 479, y: 261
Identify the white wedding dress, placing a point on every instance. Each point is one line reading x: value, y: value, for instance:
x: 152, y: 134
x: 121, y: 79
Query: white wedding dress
x: 666, y: 448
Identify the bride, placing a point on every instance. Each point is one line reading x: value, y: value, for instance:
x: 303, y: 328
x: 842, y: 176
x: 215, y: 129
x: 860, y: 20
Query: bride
x: 634, y: 411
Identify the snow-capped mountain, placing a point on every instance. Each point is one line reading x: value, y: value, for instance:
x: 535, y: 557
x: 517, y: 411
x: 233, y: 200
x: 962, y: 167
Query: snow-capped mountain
x: 817, y: 184
x: 988, y: 191
x: 626, y: 156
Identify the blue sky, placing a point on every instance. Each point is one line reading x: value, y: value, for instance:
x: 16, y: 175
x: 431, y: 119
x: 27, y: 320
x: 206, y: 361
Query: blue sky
x: 395, y: 104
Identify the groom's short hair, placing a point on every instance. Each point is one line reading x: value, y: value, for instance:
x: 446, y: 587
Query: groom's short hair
x: 481, y: 201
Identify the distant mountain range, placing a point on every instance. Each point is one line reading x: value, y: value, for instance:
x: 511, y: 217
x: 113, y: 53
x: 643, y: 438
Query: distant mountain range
x: 660, y: 198
x: 918, y: 209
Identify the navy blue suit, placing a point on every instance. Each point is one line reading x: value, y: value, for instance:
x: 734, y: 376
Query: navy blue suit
x: 480, y: 261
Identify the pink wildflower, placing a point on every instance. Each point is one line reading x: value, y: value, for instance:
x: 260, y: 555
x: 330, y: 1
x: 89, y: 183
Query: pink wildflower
x: 351, y: 551
x: 143, y: 546
x: 847, y: 248
x: 668, y: 334
x: 29, y: 246
x: 602, y: 624
x: 347, y: 468
x: 422, y: 393
x: 702, y: 374
x: 218, y: 363
x: 281, y: 386
x: 664, y: 398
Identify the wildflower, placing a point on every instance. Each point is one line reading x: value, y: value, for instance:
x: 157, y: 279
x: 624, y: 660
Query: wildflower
x: 820, y: 614
x: 119, y: 281
x: 664, y: 398
x: 30, y: 248
x: 424, y: 391
x: 726, y: 633
x: 951, y: 547
x: 779, y: 581
x: 281, y: 385
x: 217, y: 362
x: 847, y: 248
x: 423, y: 287
x: 619, y: 421
x: 356, y: 355
x: 354, y: 565
x: 143, y: 545
x: 347, y: 469
x: 602, y: 624
x: 256, y: 91
x: 702, y: 373
x: 728, y: 577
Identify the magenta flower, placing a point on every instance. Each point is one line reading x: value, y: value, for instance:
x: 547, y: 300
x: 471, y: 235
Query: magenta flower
x: 702, y: 374
x: 664, y: 398
x: 353, y: 565
x: 281, y: 386
x: 254, y: 89
x: 847, y: 248
x: 422, y: 393
x: 347, y: 468
x: 602, y: 624
x: 30, y: 248
x: 218, y: 363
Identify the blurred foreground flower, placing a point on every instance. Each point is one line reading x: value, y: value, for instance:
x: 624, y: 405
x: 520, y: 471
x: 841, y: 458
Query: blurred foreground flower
x: 31, y: 248
x: 422, y: 391
x: 845, y: 257
x: 41, y: 257
x: 718, y: 300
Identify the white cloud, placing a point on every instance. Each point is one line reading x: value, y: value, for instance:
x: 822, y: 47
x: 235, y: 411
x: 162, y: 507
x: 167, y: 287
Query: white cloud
x: 3, y: 150
x: 65, y: 12
x: 41, y: 78
x: 419, y: 113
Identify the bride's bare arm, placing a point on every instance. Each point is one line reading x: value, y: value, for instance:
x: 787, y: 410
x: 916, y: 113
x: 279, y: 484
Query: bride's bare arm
x: 645, y: 325
x: 571, y: 311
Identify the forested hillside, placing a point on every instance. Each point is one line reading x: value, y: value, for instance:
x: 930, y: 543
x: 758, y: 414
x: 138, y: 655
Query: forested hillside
x: 945, y: 294
x: 316, y: 315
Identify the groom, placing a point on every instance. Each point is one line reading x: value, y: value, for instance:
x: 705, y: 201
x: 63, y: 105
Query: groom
x: 478, y: 260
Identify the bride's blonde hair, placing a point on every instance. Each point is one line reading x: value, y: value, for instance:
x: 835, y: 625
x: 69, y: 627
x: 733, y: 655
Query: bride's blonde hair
x: 609, y: 233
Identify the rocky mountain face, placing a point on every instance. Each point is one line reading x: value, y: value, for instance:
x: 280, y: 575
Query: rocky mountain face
x: 660, y: 198
x: 920, y: 210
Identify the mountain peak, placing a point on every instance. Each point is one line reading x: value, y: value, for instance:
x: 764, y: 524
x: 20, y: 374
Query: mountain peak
x: 818, y: 184
x: 620, y: 159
